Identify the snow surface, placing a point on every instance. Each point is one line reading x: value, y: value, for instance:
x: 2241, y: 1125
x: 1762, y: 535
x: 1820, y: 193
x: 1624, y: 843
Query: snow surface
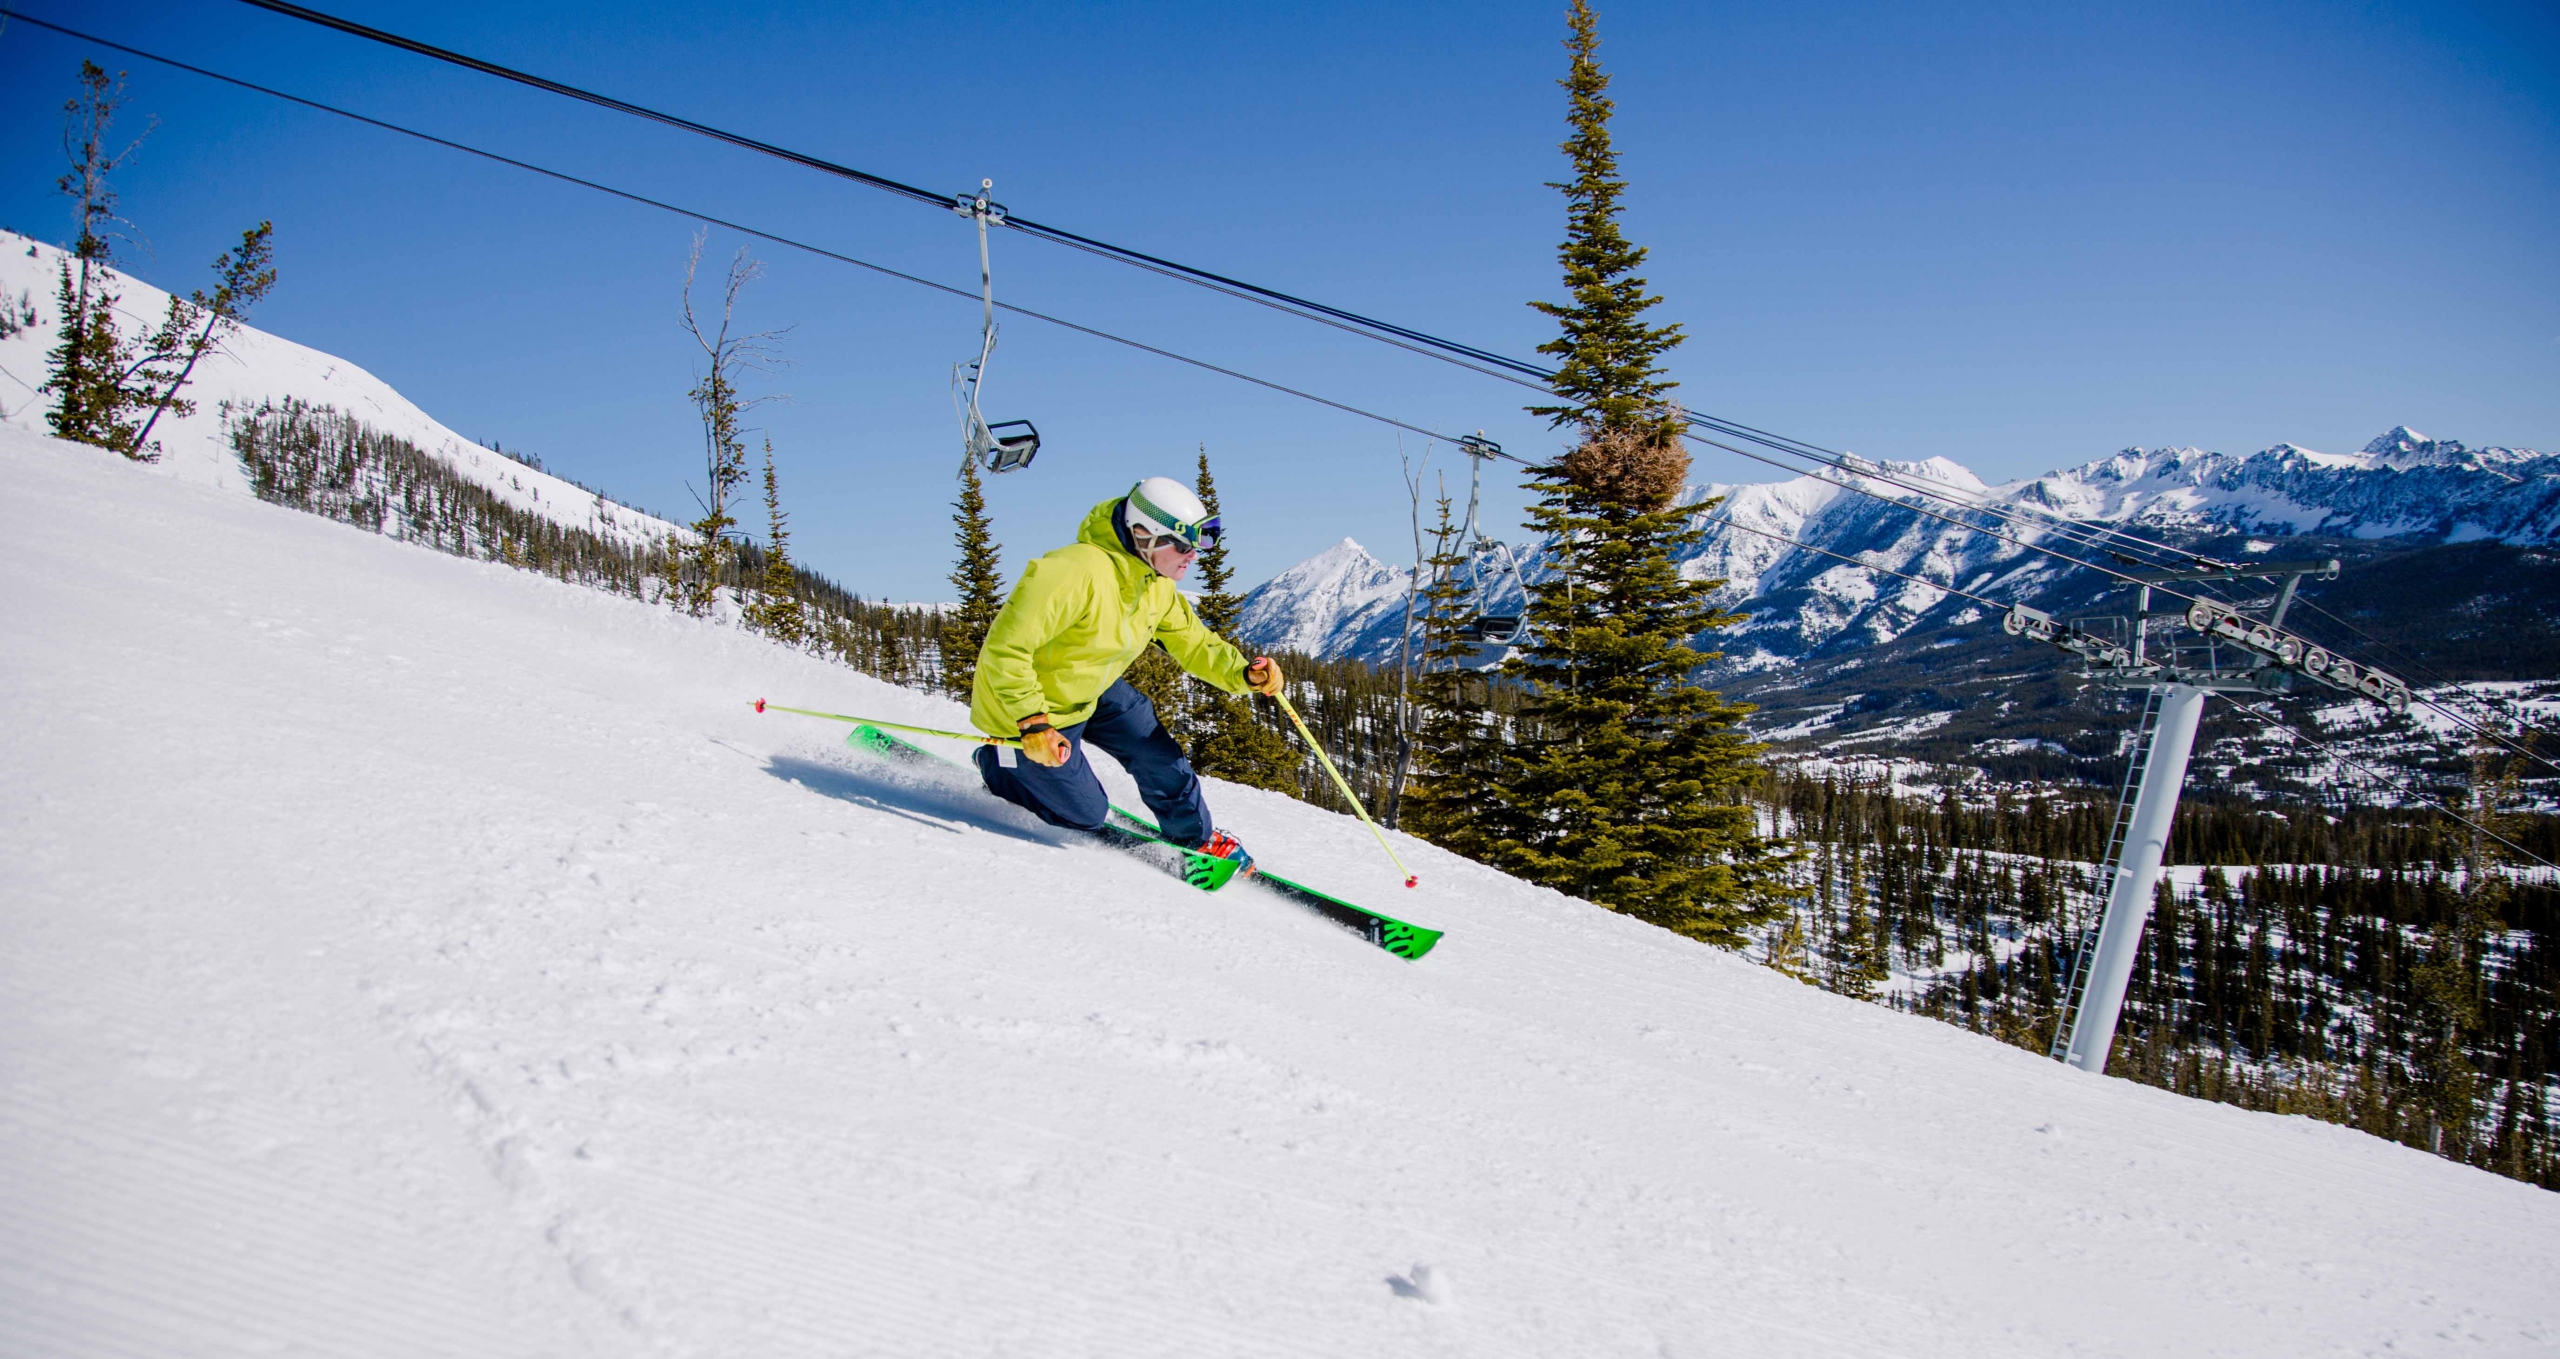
x: 403, y: 955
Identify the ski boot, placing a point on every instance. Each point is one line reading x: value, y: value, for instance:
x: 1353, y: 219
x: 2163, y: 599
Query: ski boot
x: 1224, y: 846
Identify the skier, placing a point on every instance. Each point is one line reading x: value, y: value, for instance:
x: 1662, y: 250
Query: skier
x: 1051, y: 669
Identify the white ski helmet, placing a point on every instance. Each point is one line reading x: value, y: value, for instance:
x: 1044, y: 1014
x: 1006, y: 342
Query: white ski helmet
x: 1160, y: 507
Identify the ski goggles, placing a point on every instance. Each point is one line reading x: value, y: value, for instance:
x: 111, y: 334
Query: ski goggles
x: 1149, y: 526
x: 1146, y: 540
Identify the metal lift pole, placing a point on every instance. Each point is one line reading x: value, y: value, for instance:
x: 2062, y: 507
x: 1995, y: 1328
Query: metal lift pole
x: 2232, y: 652
x: 2155, y: 808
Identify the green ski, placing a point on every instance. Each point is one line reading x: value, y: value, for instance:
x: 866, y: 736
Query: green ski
x: 1208, y: 872
x: 1398, y: 937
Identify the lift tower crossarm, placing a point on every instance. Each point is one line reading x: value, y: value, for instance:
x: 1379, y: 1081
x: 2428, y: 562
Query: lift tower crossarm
x: 2325, y: 570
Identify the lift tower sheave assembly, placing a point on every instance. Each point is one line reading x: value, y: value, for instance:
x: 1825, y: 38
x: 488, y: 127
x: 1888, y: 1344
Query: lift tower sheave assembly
x: 2230, y: 651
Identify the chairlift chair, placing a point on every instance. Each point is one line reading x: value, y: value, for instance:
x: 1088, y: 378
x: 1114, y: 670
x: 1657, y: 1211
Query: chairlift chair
x: 986, y: 445
x: 1483, y: 627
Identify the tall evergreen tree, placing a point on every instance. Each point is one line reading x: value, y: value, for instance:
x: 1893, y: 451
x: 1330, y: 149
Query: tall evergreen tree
x: 1228, y: 740
x: 1459, y: 739
x: 87, y: 367
x: 1608, y: 377
x: 777, y: 611
x: 1625, y: 785
x: 980, y: 579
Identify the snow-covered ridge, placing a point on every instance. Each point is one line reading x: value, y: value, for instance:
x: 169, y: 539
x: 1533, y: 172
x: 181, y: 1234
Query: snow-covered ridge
x: 255, y: 366
x: 1341, y: 592
x: 2403, y: 485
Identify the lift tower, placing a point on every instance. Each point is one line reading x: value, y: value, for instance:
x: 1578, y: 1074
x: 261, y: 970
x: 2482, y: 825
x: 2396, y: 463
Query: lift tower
x: 2176, y: 658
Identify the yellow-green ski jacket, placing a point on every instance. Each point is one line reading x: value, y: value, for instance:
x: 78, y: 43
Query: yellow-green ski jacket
x: 1078, y: 620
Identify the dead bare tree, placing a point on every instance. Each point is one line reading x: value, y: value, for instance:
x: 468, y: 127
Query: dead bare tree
x: 715, y: 394
x: 1404, y: 649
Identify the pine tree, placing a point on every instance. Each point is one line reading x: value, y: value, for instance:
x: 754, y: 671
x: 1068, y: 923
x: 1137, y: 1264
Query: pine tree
x: 1230, y: 742
x: 1607, y: 378
x: 1626, y: 785
x: 1458, y: 738
x: 980, y: 580
x: 777, y: 612
x: 104, y: 380
x: 86, y: 369
x: 197, y: 324
x: 1156, y: 675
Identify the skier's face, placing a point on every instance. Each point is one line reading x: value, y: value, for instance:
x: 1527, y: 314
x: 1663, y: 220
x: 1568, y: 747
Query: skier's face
x: 1171, y: 558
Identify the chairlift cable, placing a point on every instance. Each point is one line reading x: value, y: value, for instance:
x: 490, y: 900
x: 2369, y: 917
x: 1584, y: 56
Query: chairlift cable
x: 1465, y: 355
x: 2466, y: 721
x: 1949, y: 588
x: 1951, y: 520
x: 739, y: 227
x: 1059, y: 235
x: 444, y: 54
x: 2421, y: 670
x: 2090, y: 536
x: 1342, y: 319
x: 285, y: 8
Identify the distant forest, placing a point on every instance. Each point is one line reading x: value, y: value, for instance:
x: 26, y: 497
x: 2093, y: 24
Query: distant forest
x: 2327, y: 964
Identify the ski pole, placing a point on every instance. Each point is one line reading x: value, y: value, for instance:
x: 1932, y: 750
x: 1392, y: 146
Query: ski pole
x: 1347, y: 794
x: 762, y: 706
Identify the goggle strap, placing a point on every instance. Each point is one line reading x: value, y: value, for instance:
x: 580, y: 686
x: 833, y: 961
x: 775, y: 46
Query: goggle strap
x: 1196, y: 534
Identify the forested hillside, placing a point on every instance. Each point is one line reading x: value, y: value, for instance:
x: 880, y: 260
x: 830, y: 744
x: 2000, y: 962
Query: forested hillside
x: 2343, y: 966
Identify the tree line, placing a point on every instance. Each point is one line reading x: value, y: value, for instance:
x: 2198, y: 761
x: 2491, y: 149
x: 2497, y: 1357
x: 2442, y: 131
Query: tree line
x: 2365, y: 967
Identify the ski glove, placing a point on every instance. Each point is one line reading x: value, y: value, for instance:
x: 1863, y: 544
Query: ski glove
x: 1263, y: 677
x: 1043, y: 744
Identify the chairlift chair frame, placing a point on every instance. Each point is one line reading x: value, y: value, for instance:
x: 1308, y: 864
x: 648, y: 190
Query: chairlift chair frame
x: 1487, y: 629
x: 980, y: 443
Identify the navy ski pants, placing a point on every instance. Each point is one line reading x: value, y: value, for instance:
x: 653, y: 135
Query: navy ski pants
x: 1125, y: 727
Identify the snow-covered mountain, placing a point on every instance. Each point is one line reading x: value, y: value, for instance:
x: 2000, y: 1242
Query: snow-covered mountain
x: 1339, y: 602
x: 2402, y: 488
x: 401, y: 954
x: 254, y: 366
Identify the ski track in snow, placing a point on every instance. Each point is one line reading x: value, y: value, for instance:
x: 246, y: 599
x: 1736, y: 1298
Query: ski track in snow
x: 406, y: 955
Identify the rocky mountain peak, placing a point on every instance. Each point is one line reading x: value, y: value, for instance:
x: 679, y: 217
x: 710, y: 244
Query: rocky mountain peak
x: 2406, y: 444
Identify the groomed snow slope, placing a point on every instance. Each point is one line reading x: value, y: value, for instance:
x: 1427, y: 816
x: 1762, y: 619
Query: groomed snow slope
x: 402, y: 955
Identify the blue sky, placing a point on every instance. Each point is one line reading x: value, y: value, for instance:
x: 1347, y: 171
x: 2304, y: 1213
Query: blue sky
x: 2019, y: 236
